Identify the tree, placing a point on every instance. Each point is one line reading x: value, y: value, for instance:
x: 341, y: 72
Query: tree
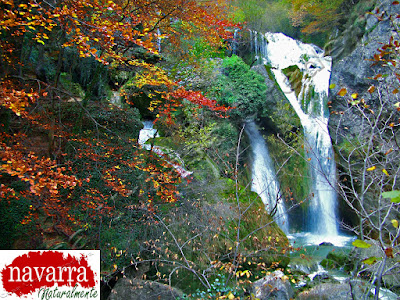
x: 70, y: 172
x: 315, y: 16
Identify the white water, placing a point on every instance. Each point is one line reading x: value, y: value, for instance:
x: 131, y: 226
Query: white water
x: 280, y: 51
x: 148, y: 132
x: 235, y: 41
x: 264, y: 181
x: 158, y: 40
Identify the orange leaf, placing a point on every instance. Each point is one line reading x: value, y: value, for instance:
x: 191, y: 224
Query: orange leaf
x: 371, y: 89
x: 342, y: 92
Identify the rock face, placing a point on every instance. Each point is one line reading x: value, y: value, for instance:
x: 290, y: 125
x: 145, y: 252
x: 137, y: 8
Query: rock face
x: 353, y: 71
x: 274, y: 98
x: 137, y: 289
x: 352, y: 123
x: 274, y: 286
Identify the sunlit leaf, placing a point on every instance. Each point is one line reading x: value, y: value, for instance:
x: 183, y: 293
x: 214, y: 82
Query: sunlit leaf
x: 370, y: 260
x: 394, y: 196
x: 342, y: 92
x: 354, y: 95
x: 385, y: 172
x: 361, y: 244
x: 395, y: 223
x: 371, y: 168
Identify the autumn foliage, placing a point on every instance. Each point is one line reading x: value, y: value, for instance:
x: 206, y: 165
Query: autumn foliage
x: 315, y: 16
x: 68, y: 174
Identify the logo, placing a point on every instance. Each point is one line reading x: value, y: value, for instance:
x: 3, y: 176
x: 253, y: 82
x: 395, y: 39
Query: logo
x: 46, y: 275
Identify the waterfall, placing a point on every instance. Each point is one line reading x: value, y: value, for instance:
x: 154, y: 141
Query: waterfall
x: 235, y: 41
x: 158, y: 40
x: 149, y: 132
x: 285, y: 55
x: 309, y: 103
x: 264, y: 181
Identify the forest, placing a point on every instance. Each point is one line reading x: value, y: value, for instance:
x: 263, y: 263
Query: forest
x: 200, y: 160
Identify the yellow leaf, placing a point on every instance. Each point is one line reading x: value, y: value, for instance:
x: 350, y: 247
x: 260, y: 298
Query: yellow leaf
x: 342, y: 92
x: 385, y: 172
x: 332, y: 86
x: 354, y: 96
x: 371, y: 169
x: 231, y: 296
x: 395, y: 223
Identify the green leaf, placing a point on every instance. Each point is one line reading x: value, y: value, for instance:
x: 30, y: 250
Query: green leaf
x: 371, y: 260
x: 361, y: 244
x: 393, y: 195
x: 332, y: 86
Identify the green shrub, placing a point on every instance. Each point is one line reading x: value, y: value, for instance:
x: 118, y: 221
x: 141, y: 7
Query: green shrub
x: 241, y: 87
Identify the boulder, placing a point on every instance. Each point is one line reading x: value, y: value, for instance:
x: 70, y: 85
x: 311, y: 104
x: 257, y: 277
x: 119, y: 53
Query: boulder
x: 273, y: 286
x: 137, y: 289
x: 352, y: 290
x: 328, y: 291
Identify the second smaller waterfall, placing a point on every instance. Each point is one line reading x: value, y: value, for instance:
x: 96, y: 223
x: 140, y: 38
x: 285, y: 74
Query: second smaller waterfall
x: 264, y: 181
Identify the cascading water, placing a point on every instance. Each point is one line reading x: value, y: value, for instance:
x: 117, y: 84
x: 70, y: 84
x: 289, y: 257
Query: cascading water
x: 279, y: 52
x: 235, y: 42
x: 264, y: 181
x: 149, y: 132
x: 158, y: 40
